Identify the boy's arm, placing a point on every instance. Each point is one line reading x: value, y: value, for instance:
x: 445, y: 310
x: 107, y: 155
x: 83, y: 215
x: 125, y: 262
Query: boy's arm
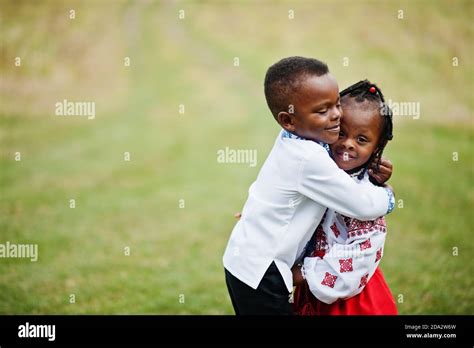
x: 321, y: 180
x: 345, y: 269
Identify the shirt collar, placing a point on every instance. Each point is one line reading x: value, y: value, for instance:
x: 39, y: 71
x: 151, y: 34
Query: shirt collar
x: 357, y: 173
x: 286, y: 134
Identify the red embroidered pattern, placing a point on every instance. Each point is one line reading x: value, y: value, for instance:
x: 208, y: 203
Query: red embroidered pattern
x: 379, y: 255
x: 329, y: 280
x: 365, y: 245
x: 346, y: 265
x: 363, y: 280
x: 358, y: 228
x: 321, y: 243
x: 335, y: 230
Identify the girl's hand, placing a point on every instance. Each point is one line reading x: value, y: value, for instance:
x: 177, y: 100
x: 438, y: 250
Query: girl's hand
x: 297, y: 276
x: 384, y: 171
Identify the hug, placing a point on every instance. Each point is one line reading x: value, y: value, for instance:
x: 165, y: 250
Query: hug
x: 312, y: 231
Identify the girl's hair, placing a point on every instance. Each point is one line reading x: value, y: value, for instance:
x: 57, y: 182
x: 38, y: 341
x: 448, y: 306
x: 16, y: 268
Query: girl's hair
x: 367, y: 91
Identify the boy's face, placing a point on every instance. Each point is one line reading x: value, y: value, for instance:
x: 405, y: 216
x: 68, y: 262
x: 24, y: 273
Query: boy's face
x: 316, y: 110
x: 359, y: 135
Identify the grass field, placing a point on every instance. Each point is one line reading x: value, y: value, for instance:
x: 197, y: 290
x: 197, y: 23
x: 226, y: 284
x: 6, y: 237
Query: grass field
x: 172, y: 204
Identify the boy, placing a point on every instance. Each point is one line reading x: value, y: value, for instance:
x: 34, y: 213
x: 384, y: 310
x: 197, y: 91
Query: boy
x: 296, y: 184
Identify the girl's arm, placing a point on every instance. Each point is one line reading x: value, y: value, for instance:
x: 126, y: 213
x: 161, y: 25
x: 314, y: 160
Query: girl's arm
x: 345, y: 269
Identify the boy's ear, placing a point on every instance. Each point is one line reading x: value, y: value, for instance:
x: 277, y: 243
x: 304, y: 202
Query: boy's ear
x: 287, y: 121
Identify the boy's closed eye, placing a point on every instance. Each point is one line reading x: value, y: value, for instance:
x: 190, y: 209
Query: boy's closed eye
x: 320, y: 109
x: 324, y: 108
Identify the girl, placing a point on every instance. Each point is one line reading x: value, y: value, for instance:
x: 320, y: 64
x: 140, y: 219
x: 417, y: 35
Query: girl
x: 339, y: 274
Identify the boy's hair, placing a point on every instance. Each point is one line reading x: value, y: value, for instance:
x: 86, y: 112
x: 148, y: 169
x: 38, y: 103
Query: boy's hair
x: 366, y: 91
x: 284, y: 77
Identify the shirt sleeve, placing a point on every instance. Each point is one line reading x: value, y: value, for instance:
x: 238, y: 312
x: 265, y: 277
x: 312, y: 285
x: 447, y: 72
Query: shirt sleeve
x: 321, y: 180
x: 345, y: 269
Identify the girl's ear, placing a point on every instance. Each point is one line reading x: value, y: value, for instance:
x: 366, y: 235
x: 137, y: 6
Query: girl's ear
x: 286, y: 121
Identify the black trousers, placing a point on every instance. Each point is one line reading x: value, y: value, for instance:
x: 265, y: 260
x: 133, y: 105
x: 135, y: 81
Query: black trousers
x: 270, y: 298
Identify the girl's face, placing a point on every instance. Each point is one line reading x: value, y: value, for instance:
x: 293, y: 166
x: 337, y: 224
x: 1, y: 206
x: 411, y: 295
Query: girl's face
x: 359, y: 136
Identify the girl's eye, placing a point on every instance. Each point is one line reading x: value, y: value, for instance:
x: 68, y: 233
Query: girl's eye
x: 362, y: 139
x: 341, y: 134
x: 322, y: 111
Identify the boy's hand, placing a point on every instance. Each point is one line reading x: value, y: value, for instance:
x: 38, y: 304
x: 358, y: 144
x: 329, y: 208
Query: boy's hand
x: 238, y: 215
x: 297, y: 276
x: 383, y: 173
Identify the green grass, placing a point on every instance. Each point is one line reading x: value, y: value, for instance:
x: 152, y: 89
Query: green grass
x: 436, y: 195
x: 177, y: 251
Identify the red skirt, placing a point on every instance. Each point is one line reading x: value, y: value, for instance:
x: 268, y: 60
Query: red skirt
x: 375, y: 299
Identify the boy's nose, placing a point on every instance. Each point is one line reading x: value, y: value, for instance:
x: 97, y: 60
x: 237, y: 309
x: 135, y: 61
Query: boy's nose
x: 336, y: 114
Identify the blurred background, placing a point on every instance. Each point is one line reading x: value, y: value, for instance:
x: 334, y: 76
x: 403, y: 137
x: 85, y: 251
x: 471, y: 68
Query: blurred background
x: 147, y: 234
